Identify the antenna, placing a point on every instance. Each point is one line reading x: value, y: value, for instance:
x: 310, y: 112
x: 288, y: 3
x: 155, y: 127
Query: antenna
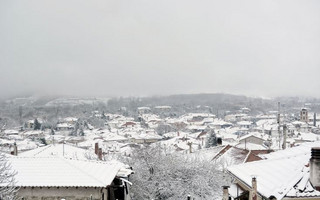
x: 278, y: 118
x: 278, y: 121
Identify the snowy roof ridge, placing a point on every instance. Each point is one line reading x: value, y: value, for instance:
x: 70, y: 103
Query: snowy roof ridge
x: 83, y: 171
x: 288, y: 156
x: 57, y: 150
x: 269, y: 184
x: 279, y: 173
x: 245, y: 160
x: 43, y: 149
x: 62, y: 172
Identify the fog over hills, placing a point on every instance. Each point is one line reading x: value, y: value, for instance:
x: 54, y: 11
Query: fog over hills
x: 145, y: 48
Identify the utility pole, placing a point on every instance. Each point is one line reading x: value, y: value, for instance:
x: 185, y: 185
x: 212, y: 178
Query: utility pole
x: 284, y: 145
x: 278, y: 121
x: 63, y: 149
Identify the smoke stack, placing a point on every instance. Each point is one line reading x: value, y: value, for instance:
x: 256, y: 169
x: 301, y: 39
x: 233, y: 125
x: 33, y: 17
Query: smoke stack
x: 315, y: 119
x: 315, y: 168
x: 100, y: 154
x: 253, y: 193
x: 225, y: 193
x: 284, y: 145
x: 15, y: 149
x: 190, y: 147
x: 96, y: 148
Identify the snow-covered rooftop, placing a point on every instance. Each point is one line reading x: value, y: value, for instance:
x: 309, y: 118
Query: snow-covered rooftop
x: 62, y: 172
x: 57, y: 150
x: 279, y: 173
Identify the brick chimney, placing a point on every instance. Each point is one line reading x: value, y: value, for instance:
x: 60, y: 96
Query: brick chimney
x: 15, y: 150
x: 315, y: 168
x: 254, y: 192
x: 190, y: 147
x: 315, y: 119
x: 100, y: 154
x: 225, y: 193
x: 96, y: 148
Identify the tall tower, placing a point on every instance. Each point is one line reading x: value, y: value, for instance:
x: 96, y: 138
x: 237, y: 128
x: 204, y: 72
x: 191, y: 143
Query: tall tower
x: 304, y: 115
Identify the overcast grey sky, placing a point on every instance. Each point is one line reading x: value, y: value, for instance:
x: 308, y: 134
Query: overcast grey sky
x: 158, y: 47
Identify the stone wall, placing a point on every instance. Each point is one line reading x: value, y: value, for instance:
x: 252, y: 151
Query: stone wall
x: 58, y: 193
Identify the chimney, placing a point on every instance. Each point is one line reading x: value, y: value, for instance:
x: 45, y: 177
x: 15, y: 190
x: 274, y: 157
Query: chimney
x: 100, y: 154
x: 190, y: 147
x: 315, y: 119
x: 315, y: 168
x: 15, y: 149
x: 96, y: 148
x: 225, y: 193
x: 219, y: 141
x: 284, y: 145
x: 178, y: 134
x: 254, y: 192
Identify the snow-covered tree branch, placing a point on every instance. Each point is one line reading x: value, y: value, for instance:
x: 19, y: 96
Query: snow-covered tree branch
x: 172, y: 177
x: 7, y: 181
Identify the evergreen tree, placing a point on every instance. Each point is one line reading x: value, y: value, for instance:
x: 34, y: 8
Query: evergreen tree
x: 211, y: 139
x: 36, y: 125
x: 81, y: 132
x: 74, y: 132
x: 103, y: 116
x: 52, y: 131
x: 43, y: 141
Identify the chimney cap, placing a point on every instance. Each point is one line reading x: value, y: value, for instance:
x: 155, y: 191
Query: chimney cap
x: 315, y: 153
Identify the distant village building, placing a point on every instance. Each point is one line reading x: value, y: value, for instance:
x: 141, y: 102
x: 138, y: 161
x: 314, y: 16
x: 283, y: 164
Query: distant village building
x: 64, y: 127
x: 245, y: 110
x: 70, y: 120
x: 30, y: 124
x: 144, y: 110
x: 162, y: 108
x: 245, y: 124
x: 252, y: 142
x: 304, y: 115
x: 129, y: 124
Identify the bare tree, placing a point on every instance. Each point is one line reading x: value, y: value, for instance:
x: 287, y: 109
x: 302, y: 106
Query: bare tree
x: 8, y: 189
x: 171, y: 177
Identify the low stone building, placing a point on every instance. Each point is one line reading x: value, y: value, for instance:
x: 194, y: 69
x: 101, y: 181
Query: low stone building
x: 57, y: 178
